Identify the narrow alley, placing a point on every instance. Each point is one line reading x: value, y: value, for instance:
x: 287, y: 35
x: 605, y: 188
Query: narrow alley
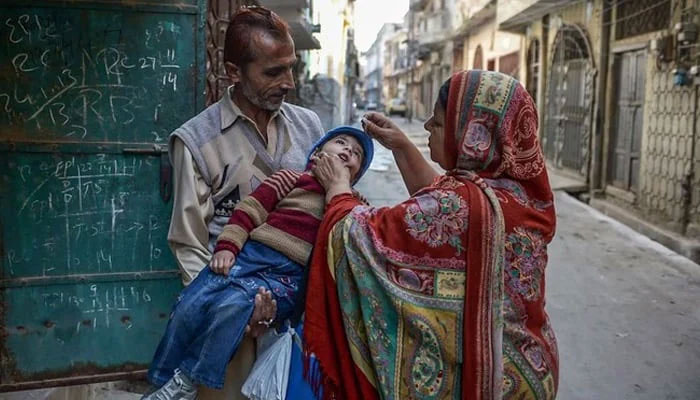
x: 624, y: 308
x: 133, y: 133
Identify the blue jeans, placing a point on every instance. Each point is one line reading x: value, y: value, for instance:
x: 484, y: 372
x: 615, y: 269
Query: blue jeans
x: 210, y: 315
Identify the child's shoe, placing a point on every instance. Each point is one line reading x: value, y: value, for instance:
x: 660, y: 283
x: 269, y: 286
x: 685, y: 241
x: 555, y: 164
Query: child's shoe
x: 179, y: 387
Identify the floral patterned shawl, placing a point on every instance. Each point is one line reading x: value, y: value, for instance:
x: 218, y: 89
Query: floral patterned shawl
x: 442, y: 296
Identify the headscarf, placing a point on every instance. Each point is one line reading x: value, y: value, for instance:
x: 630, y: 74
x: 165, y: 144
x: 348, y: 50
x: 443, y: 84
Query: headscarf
x: 362, y: 138
x: 483, y: 227
x: 491, y: 139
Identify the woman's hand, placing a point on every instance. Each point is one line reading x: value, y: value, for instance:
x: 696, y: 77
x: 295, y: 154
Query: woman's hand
x: 221, y: 262
x: 416, y: 172
x: 331, y: 174
x: 385, y: 131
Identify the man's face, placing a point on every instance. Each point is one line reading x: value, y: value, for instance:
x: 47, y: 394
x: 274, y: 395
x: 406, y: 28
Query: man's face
x: 348, y: 149
x: 266, y: 80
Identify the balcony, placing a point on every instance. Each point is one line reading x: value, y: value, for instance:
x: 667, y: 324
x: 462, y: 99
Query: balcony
x: 295, y: 13
x: 279, y: 4
x: 515, y: 15
x: 475, y: 14
x: 438, y: 29
x: 418, y: 5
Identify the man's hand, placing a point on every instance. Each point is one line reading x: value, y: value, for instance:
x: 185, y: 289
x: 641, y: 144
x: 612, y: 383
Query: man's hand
x: 221, y: 262
x: 263, y: 314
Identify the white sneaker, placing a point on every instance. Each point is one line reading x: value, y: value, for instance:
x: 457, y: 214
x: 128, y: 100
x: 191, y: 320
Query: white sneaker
x: 179, y: 387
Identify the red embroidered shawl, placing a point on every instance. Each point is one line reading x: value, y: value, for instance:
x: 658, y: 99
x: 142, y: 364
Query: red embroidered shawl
x: 476, y: 239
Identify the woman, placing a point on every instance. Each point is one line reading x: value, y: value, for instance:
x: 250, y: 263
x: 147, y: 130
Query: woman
x: 441, y: 296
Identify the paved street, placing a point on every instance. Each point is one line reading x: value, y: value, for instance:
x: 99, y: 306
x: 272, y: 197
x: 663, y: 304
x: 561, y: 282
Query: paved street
x: 625, y: 309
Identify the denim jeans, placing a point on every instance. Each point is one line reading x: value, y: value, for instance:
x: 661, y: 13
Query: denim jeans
x: 209, y: 318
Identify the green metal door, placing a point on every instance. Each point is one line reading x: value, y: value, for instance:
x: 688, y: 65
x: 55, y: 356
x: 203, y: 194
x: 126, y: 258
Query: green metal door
x: 89, y: 91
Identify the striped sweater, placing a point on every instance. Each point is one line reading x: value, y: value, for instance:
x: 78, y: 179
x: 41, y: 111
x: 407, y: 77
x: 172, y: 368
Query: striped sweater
x: 284, y: 213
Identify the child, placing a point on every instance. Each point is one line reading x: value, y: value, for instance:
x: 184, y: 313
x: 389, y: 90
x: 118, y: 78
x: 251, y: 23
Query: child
x: 268, y: 241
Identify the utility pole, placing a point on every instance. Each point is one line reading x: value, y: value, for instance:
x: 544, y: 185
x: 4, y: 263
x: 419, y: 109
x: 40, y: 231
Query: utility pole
x: 411, y: 65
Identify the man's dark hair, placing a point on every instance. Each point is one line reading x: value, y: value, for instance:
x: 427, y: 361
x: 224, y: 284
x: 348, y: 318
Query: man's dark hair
x: 246, y: 20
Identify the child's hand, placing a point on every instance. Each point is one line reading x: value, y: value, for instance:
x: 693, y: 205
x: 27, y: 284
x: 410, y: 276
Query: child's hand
x: 221, y: 262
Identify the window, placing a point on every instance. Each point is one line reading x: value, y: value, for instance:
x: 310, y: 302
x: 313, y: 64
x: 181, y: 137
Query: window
x: 491, y: 64
x: 479, y: 58
x: 510, y: 64
x: 637, y: 17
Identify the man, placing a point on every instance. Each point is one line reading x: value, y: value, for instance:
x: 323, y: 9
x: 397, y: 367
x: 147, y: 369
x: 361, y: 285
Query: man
x: 222, y: 154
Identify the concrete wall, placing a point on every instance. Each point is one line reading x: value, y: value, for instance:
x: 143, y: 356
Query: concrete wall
x: 494, y: 44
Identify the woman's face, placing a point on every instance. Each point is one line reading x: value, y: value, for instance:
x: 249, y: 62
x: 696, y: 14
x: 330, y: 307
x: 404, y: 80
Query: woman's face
x: 436, y: 141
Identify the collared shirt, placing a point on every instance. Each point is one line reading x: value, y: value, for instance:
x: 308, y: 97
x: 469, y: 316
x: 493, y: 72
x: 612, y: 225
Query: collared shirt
x: 219, y: 157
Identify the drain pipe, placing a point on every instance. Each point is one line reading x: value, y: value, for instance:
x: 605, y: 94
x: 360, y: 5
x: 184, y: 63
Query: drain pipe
x: 597, y: 151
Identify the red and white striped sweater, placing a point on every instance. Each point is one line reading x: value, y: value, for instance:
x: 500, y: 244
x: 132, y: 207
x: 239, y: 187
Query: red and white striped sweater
x: 284, y: 213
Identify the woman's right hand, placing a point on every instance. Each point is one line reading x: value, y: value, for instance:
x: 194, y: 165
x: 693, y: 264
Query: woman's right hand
x: 385, y: 131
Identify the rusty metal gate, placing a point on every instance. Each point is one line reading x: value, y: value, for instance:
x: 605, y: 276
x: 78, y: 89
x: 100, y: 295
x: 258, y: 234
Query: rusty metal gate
x: 89, y: 91
x: 567, y: 132
x: 630, y: 77
x: 219, y: 12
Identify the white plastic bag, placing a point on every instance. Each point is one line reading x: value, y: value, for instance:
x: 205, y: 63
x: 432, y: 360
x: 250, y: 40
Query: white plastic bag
x: 270, y: 374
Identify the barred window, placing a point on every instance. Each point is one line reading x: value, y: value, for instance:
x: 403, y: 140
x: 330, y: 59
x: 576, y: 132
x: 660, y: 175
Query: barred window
x: 637, y: 17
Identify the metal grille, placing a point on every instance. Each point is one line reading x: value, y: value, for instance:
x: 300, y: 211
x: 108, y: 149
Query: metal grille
x: 641, y: 16
x: 219, y: 13
x: 669, y: 118
x: 569, y: 101
x: 694, y: 212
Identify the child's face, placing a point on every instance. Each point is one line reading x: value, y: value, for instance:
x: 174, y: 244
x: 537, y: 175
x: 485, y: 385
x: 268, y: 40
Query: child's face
x: 348, y: 149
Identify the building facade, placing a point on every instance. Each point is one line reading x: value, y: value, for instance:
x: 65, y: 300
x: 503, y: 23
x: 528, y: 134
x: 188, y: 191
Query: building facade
x: 375, y: 60
x: 396, y: 63
x: 431, y: 25
x: 332, y: 70
x: 479, y: 44
x: 619, y: 105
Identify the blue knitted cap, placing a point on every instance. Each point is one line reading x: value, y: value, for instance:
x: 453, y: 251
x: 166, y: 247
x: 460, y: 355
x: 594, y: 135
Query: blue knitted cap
x: 362, y: 138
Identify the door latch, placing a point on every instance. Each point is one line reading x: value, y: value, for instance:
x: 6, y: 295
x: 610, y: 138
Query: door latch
x: 166, y: 169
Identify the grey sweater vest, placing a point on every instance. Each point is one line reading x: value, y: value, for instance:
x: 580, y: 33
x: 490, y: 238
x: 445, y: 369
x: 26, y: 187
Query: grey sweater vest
x: 304, y: 129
